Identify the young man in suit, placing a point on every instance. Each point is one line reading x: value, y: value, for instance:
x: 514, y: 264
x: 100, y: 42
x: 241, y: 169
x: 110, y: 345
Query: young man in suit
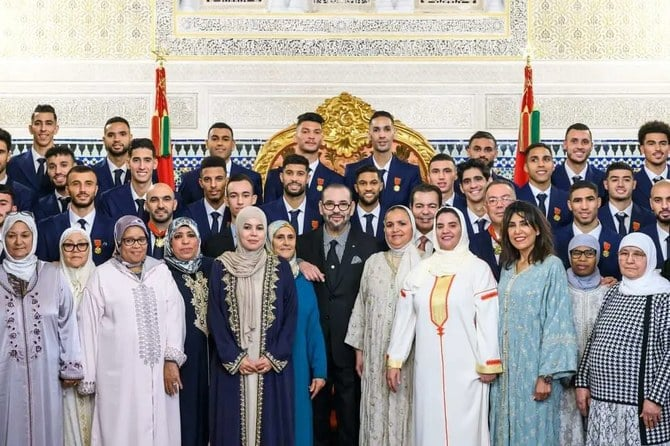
x: 82, y: 186
x: 584, y: 202
x: 340, y: 251
x: 654, y: 138
x: 473, y: 176
x: 129, y: 198
x: 23, y: 196
x: 659, y: 231
x: 209, y: 212
x: 424, y: 202
x: 578, y: 144
x: 483, y: 146
x: 487, y: 245
x: 442, y: 173
x: 113, y: 170
x: 220, y: 142
x: 6, y: 202
x: 29, y: 168
x: 239, y: 194
x: 160, y: 207
x: 369, y: 215
x: 60, y: 159
x: 552, y: 202
x: 621, y: 214
x: 293, y: 205
x: 308, y: 137
x: 399, y: 177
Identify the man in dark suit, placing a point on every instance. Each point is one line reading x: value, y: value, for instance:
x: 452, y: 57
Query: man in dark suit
x: 483, y: 146
x: 473, y: 176
x: 6, y: 202
x: 340, y: 251
x: 442, y: 173
x: 660, y: 230
x: 293, y: 205
x: 82, y: 187
x: 578, y: 145
x: 584, y: 202
x: 220, y: 142
x: 654, y: 137
x: 399, y: 177
x: 369, y: 215
x: 160, y: 207
x: 620, y: 214
x: 551, y: 201
x: 29, y: 168
x: 129, y: 198
x: 239, y: 194
x: 60, y: 159
x: 424, y: 202
x: 487, y: 245
x: 23, y: 197
x: 113, y: 170
x: 308, y: 137
x: 209, y: 212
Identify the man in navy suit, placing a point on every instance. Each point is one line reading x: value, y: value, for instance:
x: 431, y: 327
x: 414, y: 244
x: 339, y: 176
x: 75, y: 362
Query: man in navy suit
x: 399, y: 177
x: 369, y: 215
x: 584, y: 202
x: 29, y: 168
x: 487, y: 245
x: 23, y: 197
x: 113, y: 170
x: 340, y: 251
x: 551, y: 201
x: 483, y: 146
x: 209, y: 212
x: 82, y: 187
x: 293, y: 206
x: 6, y: 202
x: 220, y: 142
x: 424, y: 202
x: 654, y: 137
x: 578, y: 144
x: 129, y: 198
x: 442, y: 173
x: 160, y: 207
x: 660, y: 230
x: 473, y: 176
x: 60, y: 159
x: 621, y: 214
x: 308, y: 137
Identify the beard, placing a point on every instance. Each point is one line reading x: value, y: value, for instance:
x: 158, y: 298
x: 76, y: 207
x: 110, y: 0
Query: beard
x: 366, y: 202
x: 76, y: 202
x: 297, y: 193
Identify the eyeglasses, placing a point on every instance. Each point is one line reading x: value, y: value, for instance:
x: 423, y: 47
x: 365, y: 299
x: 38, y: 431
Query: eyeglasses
x: 493, y: 201
x: 26, y: 213
x: 637, y: 255
x: 70, y: 247
x: 131, y: 241
x: 330, y: 205
x: 588, y: 253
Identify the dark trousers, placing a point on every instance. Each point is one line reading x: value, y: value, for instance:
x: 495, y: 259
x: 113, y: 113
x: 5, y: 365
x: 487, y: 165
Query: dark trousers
x: 342, y: 393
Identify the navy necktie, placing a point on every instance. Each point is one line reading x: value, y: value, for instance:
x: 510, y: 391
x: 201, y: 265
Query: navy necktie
x: 294, y: 219
x: 215, y: 222
x: 667, y: 247
x: 657, y: 179
x: 117, y: 177
x: 64, y: 201
x: 41, y: 170
x: 541, y: 198
x: 140, y: 207
x: 481, y: 223
x: 382, y: 172
x: 82, y: 223
x: 576, y: 179
x: 368, y: 224
x: 621, y: 218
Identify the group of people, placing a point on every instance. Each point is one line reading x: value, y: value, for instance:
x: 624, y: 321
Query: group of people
x: 367, y: 308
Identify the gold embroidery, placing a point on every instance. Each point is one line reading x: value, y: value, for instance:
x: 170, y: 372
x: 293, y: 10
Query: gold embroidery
x: 439, y: 296
x: 200, y: 291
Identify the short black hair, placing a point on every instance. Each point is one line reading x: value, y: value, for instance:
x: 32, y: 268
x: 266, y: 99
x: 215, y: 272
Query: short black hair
x: 472, y: 163
x: 141, y: 143
x: 579, y: 126
x: 43, y: 108
x: 483, y: 134
x: 116, y: 119
x: 498, y: 182
x: 60, y: 150
x: 582, y: 185
x: 441, y: 157
x: 425, y: 187
x: 535, y: 146
x: 212, y: 161
x: 381, y: 114
x: 294, y: 158
x: 618, y: 165
x: 221, y: 125
x: 81, y: 168
x: 6, y: 137
x: 653, y: 127
x: 236, y: 178
x: 7, y: 190
x: 310, y: 117
x: 368, y: 168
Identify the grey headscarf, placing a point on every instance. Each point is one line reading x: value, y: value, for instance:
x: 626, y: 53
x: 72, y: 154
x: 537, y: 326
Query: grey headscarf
x: 120, y: 227
x: 186, y: 266
x: 591, y: 281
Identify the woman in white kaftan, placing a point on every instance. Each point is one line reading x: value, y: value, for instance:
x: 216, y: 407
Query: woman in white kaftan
x: 449, y: 306
x: 587, y: 293
x: 385, y: 415
x: 76, y: 265
x: 132, y: 329
x: 39, y: 338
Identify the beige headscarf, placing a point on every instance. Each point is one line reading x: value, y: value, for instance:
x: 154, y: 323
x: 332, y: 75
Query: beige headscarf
x: 247, y: 267
x: 77, y: 277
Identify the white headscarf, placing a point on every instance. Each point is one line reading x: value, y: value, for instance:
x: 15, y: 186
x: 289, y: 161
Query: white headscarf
x: 409, y: 254
x: 77, y: 277
x: 27, y: 266
x: 651, y: 281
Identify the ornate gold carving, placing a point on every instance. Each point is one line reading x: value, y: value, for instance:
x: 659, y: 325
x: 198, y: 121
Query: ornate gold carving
x: 345, y: 138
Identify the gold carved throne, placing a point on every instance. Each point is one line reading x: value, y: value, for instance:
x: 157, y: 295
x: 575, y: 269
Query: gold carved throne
x: 345, y: 138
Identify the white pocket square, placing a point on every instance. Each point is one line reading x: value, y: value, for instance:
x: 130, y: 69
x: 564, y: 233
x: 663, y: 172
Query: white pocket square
x: 356, y: 260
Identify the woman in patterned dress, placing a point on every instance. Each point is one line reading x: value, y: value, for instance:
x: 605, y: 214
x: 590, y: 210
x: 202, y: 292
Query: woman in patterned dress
x: 623, y: 382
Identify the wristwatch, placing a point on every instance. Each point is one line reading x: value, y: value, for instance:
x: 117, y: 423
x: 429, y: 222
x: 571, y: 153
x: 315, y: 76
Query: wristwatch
x: 547, y: 378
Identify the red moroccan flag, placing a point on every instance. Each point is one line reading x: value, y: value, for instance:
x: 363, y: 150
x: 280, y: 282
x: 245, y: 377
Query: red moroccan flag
x: 160, y: 131
x: 529, y: 127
